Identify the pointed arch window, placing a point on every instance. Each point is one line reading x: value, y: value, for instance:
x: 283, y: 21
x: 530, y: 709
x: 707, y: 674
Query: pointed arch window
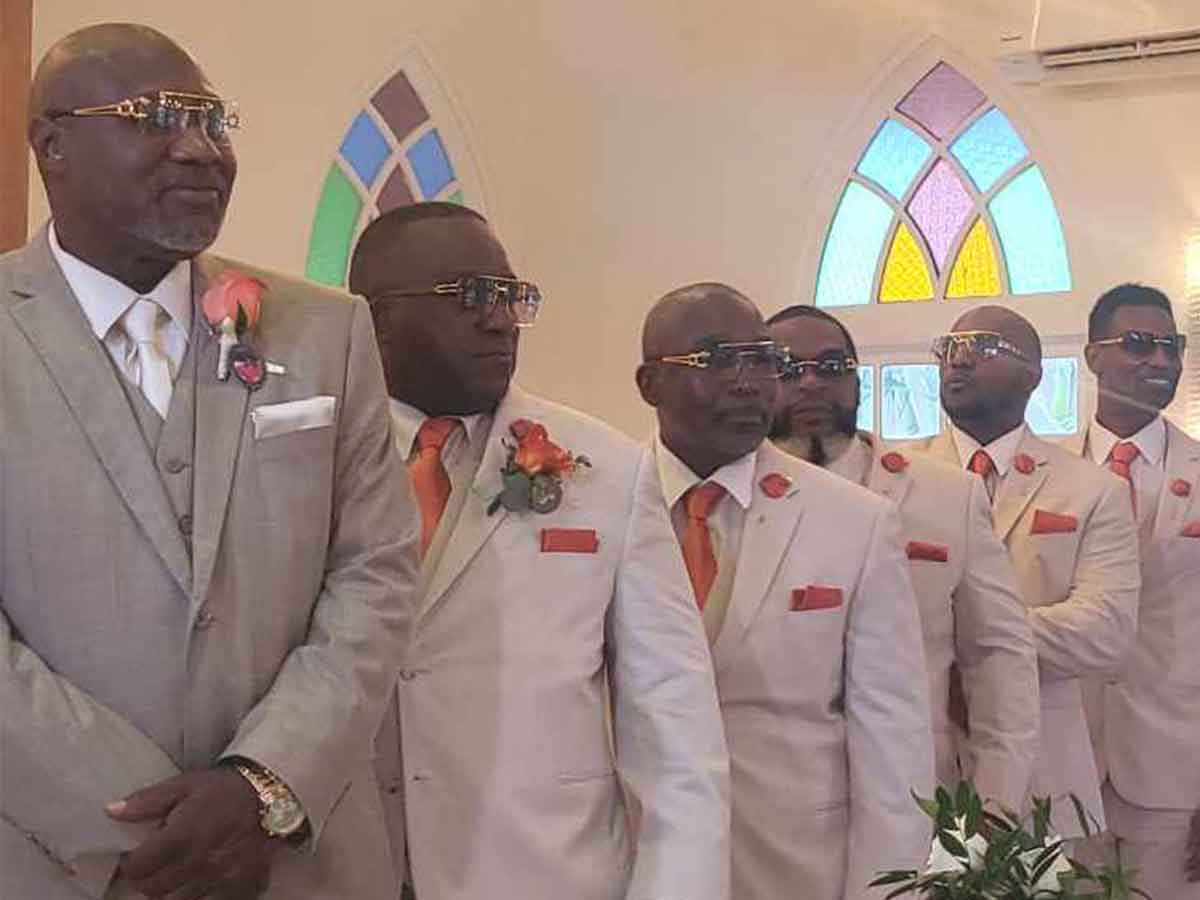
x: 944, y: 203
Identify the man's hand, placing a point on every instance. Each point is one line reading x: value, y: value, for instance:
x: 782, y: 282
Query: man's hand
x: 210, y: 844
x: 1192, y: 863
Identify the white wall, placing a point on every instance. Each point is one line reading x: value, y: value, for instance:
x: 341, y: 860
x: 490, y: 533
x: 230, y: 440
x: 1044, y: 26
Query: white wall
x: 630, y: 146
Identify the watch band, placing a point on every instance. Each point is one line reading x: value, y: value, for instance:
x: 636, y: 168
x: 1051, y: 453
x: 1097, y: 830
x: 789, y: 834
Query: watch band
x: 280, y: 811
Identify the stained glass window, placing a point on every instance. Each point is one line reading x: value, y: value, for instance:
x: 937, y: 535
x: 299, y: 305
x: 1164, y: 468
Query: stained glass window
x: 909, y: 401
x: 945, y: 202
x: 1054, y: 407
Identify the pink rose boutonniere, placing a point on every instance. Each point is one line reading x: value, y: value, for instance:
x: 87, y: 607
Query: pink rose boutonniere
x: 534, y: 471
x: 232, y: 306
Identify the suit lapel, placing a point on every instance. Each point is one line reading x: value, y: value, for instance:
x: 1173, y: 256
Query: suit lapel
x: 1018, y: 488
x: 220, y: 423
x: 893, y: 485
x: 474, y: 525
x: 1182, y: 464
x: 53, y: 323
x: 770, y: 524
x: 942, y: 446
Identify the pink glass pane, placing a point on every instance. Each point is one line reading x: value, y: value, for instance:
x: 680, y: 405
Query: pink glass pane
x: 940, y: 208
x: 942, y: 100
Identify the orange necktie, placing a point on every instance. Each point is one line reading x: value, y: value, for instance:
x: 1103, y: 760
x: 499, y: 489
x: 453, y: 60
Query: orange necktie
x: 1120, y: 460
x: 429, y: 480
x: 698, y: 554
x: 981, y: 464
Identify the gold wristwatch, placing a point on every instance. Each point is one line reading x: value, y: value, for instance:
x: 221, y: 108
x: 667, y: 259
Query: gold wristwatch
x: 282, y: 816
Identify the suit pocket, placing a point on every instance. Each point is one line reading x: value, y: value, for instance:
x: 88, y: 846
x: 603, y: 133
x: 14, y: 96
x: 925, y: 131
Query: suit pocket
x: 275, y: 419
x: 586, y: 776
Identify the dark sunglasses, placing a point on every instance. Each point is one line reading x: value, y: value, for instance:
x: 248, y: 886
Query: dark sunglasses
x: 980, y: 344
x: 1141, y: 344
x: 482, y: 293
x: 829, y: 367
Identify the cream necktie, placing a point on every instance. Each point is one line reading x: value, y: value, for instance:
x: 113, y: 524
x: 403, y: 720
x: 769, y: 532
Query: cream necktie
x: 147, y: 365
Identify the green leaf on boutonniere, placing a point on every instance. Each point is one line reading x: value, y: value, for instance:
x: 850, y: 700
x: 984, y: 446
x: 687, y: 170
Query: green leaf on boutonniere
x: 515, y: 496
x: 545, y: 493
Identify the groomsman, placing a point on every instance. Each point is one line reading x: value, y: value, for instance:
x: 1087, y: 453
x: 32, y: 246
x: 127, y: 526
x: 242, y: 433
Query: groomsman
x: 1148, y: 717
x: 1067, y: 526
x: 806, y: 599
x: 553, y: 595
x: 978, y: 643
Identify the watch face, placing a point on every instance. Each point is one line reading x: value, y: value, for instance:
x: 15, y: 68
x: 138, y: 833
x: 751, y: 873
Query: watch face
x: 283, y: 816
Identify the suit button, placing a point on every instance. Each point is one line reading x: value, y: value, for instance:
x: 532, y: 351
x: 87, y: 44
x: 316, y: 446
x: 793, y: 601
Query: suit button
x: 174, y: 466
x: 407, y: 674
x: 185, y: 525
x: 204, y: 618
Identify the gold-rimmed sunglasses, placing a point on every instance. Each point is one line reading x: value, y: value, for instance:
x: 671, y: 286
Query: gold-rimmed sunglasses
x: 522, y: 299
x: 729, y: 359
x: 1141, y: 344
x: 168, y: 112
x: 981, y: 344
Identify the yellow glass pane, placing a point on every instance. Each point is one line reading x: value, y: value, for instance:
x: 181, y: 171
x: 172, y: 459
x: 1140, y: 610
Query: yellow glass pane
x: 976, y: 272
x: 905, y: 275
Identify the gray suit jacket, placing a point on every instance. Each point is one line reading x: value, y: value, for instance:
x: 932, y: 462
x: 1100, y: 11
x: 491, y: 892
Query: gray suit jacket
x: 125, y: 658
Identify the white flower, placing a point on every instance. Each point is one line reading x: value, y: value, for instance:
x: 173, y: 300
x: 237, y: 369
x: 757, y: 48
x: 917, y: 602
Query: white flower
x: 942, y: 860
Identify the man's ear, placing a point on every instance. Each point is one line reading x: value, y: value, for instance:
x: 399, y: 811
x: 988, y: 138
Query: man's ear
x: 1033, y: 376
x: 647, y: 378
x: 1090, y: 355
x: 46, y: 141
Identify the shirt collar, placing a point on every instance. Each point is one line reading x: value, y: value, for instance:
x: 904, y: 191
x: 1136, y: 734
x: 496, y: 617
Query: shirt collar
x: 1002, y: 450
x: 677, y: 479
x: 1151, y: 441
x: 104, y: 299
x: 407, y: 421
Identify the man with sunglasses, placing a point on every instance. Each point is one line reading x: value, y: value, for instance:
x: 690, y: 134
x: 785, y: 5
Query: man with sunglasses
x: 978, y: 645
x: 1068, y: 529
x: 809, y: 610
x: 558, y: 687
x: 1147, y: 718
x: 203, y: 581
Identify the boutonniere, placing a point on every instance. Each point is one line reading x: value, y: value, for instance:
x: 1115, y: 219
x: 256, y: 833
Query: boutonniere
x: 775, y: 485
x: 1181, y: 488
x: 1024, y: 463
x: 534, y: 470
x: 894, y: 462
x: 232, y: 305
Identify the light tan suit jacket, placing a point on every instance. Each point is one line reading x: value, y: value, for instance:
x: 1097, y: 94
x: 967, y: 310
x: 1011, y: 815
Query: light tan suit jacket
x: 826, y: 709
x: 125, y: 657
x: 1150, y: 712
x: 1080, y: 583
x: 973, y: 621
x: 512, y: 786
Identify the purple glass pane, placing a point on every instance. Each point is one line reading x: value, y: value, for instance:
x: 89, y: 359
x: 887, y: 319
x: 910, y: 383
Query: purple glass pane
x: 396, y: 192
x: 400, y: 106
x: 940, y: 208
x: 941, y: 101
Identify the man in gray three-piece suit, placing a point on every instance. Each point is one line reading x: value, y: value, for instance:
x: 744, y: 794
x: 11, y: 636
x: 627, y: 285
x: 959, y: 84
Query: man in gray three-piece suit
x: 203, y: 580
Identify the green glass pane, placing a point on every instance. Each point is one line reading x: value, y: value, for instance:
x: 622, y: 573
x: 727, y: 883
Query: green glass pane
x: 1054, y: 407
x: 333, y: 230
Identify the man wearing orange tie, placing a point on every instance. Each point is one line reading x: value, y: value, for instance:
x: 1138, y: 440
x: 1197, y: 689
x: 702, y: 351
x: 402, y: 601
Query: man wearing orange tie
x: 806, y: 598
x: 557, y: 678
x: 1147, y: 718
x: 1067, y: 526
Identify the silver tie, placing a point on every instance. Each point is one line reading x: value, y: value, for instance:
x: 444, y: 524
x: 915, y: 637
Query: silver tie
x: 148, y: 366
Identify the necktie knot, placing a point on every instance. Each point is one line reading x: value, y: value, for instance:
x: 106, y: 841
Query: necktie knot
x: 1124, y: 453
x: 141, y: 321
x: 700, y: 500
x: 433, y: 434
x: 981, y: 464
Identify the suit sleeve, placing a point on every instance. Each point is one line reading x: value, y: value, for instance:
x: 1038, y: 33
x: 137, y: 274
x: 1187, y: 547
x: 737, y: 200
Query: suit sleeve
x: 326, y: 703
x: 997, y: 660
x: 1092, y: 629
x: 889, y: 735
x: 670, y: 743
x: 63, y: 756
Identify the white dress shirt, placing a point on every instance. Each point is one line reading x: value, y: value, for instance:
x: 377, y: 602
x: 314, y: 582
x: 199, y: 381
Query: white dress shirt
x: 725, y: 523
x: 105, y: 300
x: 1003, y: 450
x: 1148, y: 470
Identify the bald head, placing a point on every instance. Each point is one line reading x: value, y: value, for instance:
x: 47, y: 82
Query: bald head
x: 1011, y: 326
x: 695, y: 312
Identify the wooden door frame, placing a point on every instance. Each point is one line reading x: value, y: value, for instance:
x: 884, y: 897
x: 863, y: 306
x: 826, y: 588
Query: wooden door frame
x: 16, y: 49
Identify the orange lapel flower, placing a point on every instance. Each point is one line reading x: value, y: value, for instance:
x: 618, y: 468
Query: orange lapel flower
x: 894, y: 462
x: 1024, y: 463
x: 232, y: 306
x: 534, y: 471
x: 1181, y: 488
x: 775, y: 485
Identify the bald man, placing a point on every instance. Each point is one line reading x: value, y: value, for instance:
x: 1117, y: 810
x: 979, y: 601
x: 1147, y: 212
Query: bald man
x: 204, y: 574
x: 983, y: 678
x: 558, y: 679
x: 1068, y: 527
x: 810, y: 614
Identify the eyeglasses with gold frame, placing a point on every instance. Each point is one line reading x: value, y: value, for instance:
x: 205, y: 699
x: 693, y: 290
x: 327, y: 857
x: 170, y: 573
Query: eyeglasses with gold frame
x: 982, y: 344
x: 168, y: 112
x: 522, y: 299
x: 1141, y: 344
x: 728, y: 359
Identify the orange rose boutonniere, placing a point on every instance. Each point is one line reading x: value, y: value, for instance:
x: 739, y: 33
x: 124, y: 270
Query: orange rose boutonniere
x: 232, y: 306
x: 534, y: 472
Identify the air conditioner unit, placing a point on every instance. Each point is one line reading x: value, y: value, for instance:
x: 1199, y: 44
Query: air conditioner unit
x: 1073, y: 42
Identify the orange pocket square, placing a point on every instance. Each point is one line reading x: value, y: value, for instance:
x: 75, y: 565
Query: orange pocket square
x: 930, y: 552
x: 816, y: 597
x: 570, y: 540
x: 1053, y: 523
x: 1191, y: 529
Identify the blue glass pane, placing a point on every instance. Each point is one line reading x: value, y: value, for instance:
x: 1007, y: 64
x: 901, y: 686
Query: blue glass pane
x: 910, y: 406
x: 431, y: 164
x: 988, y: 149
x: 1031, y: 235
x: 852, y: 249
x: 1054, y: 407
x: 365, y: 148
x: 894, y: 158
x: 866, y: 398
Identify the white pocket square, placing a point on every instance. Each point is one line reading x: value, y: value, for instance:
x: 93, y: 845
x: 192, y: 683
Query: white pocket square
x: 274, y: 419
